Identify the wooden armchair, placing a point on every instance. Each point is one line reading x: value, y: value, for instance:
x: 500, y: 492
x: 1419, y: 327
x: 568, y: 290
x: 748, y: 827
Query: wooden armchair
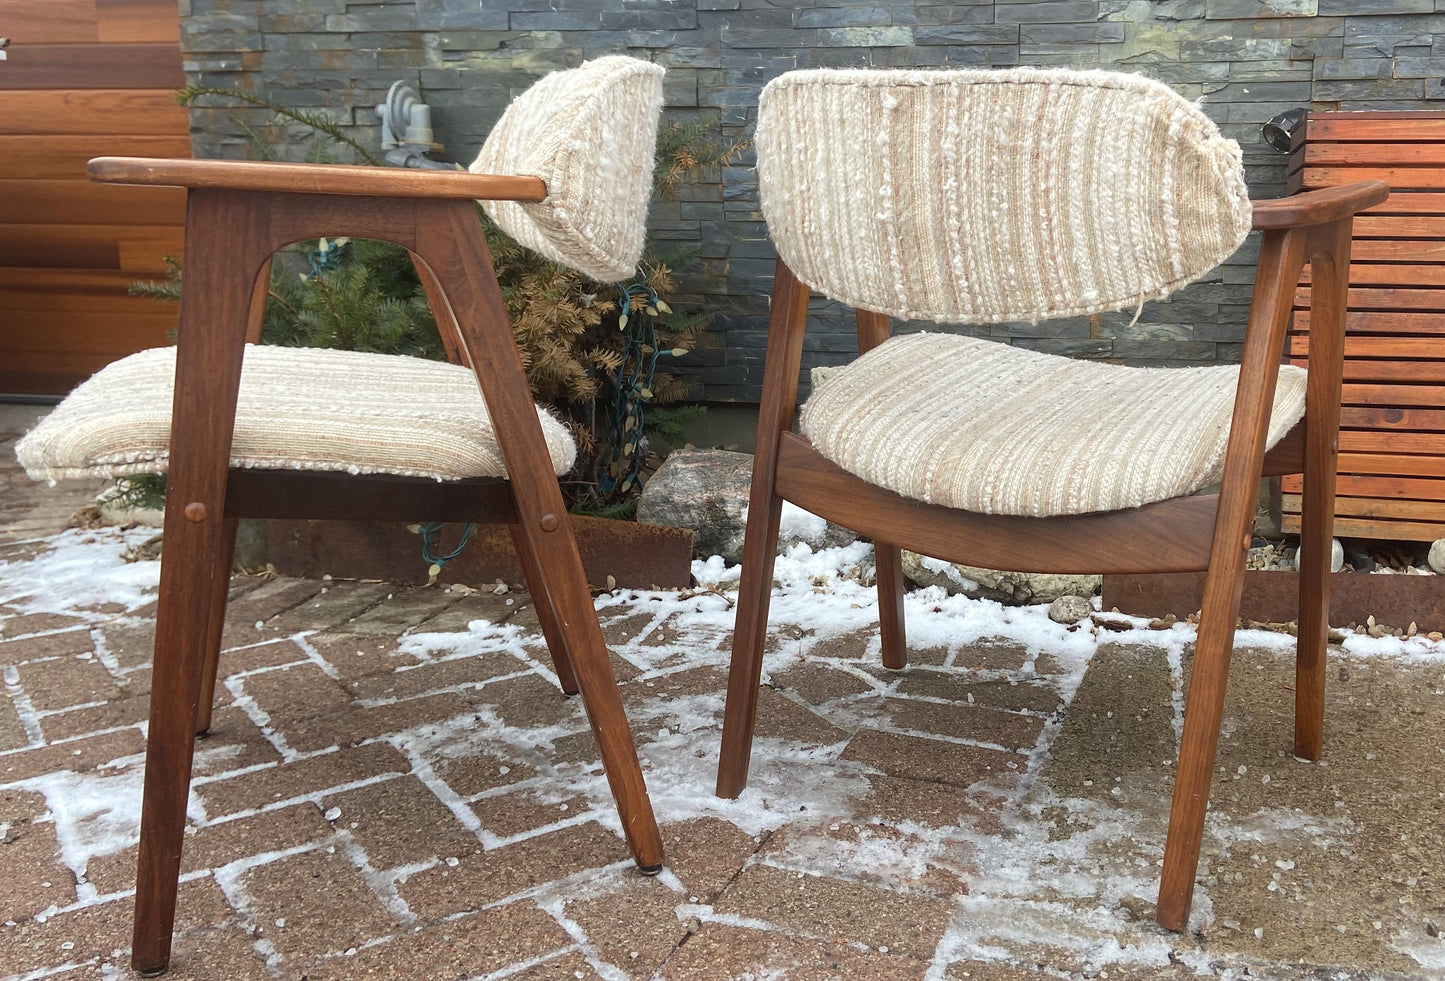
x: 1023, y: 195
x: 253, y: 431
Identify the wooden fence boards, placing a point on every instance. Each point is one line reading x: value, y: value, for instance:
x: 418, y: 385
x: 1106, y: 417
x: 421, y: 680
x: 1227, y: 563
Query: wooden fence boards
x: 1392, y: 422
x: 84, y: 78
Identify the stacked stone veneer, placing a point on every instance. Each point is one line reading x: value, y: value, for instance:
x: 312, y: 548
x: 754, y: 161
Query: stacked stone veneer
x: 1247, y: 59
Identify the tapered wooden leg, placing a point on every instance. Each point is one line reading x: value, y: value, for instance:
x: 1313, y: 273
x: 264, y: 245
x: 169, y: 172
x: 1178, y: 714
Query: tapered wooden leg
x: 546, y: 615
x: 1197, y: 750
x: 760, y: 540
x: 1281, y: 256
x: 1329, y: 277
x: 208, y: 372
x: 750, y: 633
x: 215, y: 625
x: 888, y: 560
x: 450, y: 241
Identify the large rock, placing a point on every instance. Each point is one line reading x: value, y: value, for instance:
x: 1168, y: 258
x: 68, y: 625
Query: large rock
x: 1012, y: 588
x: 707, y: 492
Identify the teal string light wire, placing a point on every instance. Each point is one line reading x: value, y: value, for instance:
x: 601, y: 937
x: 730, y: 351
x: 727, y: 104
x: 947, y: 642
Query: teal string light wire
x: 431, y: 532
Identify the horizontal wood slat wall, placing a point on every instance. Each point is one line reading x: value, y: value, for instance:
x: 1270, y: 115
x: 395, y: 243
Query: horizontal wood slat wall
x: 84, y: 78
x: 1392, y: 425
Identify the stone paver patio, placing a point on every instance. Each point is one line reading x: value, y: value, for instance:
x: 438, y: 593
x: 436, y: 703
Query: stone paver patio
x: 395, y: 788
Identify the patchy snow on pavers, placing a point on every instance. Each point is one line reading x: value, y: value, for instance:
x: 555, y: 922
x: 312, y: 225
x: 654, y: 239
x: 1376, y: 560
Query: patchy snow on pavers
x: 81, y: 571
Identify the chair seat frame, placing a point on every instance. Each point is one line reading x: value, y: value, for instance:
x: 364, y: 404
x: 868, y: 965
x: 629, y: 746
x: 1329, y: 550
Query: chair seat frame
x: 1205, y: 532
x: 238, y: 215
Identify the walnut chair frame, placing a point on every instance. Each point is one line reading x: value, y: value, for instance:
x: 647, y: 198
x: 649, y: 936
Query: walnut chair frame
x: 237, y: 216
x: 1205, y: 532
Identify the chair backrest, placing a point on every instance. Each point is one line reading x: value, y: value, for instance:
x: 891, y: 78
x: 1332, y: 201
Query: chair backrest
x: 973, y: 196
x: 591, y: 134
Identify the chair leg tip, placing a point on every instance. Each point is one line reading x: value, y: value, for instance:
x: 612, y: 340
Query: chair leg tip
x: 149, y: 972
x: 650, y: 870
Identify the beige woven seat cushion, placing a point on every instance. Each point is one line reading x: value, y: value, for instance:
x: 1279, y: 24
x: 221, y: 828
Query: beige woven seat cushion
x: 591, y: 134
x: 974, y: 196
x: 299, y: 409
x: 993, y: 429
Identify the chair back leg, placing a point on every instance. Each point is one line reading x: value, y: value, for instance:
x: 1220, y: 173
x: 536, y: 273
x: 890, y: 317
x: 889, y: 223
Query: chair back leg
x: 888, y: 562
x: 1329, y: 279
x: 887, y: 559
x: 216, y: 625
x: 255, y: 320
x: 546, y: 612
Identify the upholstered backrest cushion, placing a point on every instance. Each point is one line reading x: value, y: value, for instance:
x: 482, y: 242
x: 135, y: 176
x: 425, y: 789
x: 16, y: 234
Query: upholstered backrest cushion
x: 591, y: 134
x: 973, y: 196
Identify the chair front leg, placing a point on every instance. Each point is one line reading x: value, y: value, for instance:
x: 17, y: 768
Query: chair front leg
x: 450, y: 241
x: 224, y: 231
x: 760, y: 540
x: 1330, y: 270
x: 1281, y: 258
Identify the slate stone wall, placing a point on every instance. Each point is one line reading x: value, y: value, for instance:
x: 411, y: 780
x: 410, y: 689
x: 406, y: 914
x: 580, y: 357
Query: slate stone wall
x: 1247, y: 59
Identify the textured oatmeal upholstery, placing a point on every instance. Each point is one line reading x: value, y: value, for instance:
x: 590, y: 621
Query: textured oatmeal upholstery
x: 973, y: 196
x: 591, y: 134
x: 993, y: 429
x: 299, y: 409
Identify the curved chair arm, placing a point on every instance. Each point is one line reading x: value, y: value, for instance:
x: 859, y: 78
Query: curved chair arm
x: 1319, y: 207
x: 246, y: 175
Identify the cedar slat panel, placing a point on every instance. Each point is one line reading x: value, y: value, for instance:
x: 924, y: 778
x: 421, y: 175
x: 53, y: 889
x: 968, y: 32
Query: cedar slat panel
x: 1370, y: 441
x: 64, y: 157
x: 1324, y: 128
x: 71, y: 282
x: 144, y: 21
x: 1370, y: 507
x: 1406, y: 178
x: 1396, y: 464
x: 1381, y: 299
x: 1374, y: 153
x: 1392, y: 438
x: 1400, y: 531
x: 118, y: 302
x: 1394, y: 395
x: 88, y: 112
x: 93, y: 66
x: 1390, y: 274
x: 38, y: 379
x: 1401, y: 226
x: 1397, y: 250
x: 96, y: 333
x: 84, y: 78
x: 28, y: 22
x: 80, y: 202
x: 1380, y: 347
x: 1392, y: 418
x: 1383, y: 322
x: 166, y: 236
x: 1409, y: 203
x: 1373, y: 485
x: 1387, y: 371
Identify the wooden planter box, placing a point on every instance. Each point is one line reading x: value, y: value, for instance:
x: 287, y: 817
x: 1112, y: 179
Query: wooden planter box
x: 633, y: 554
x: 1273, y: 597
x: 1392, y: 438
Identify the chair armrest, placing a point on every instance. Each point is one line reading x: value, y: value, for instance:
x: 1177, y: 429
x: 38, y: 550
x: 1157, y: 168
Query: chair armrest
x: 1319, y: 207
x: 245, y: 175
